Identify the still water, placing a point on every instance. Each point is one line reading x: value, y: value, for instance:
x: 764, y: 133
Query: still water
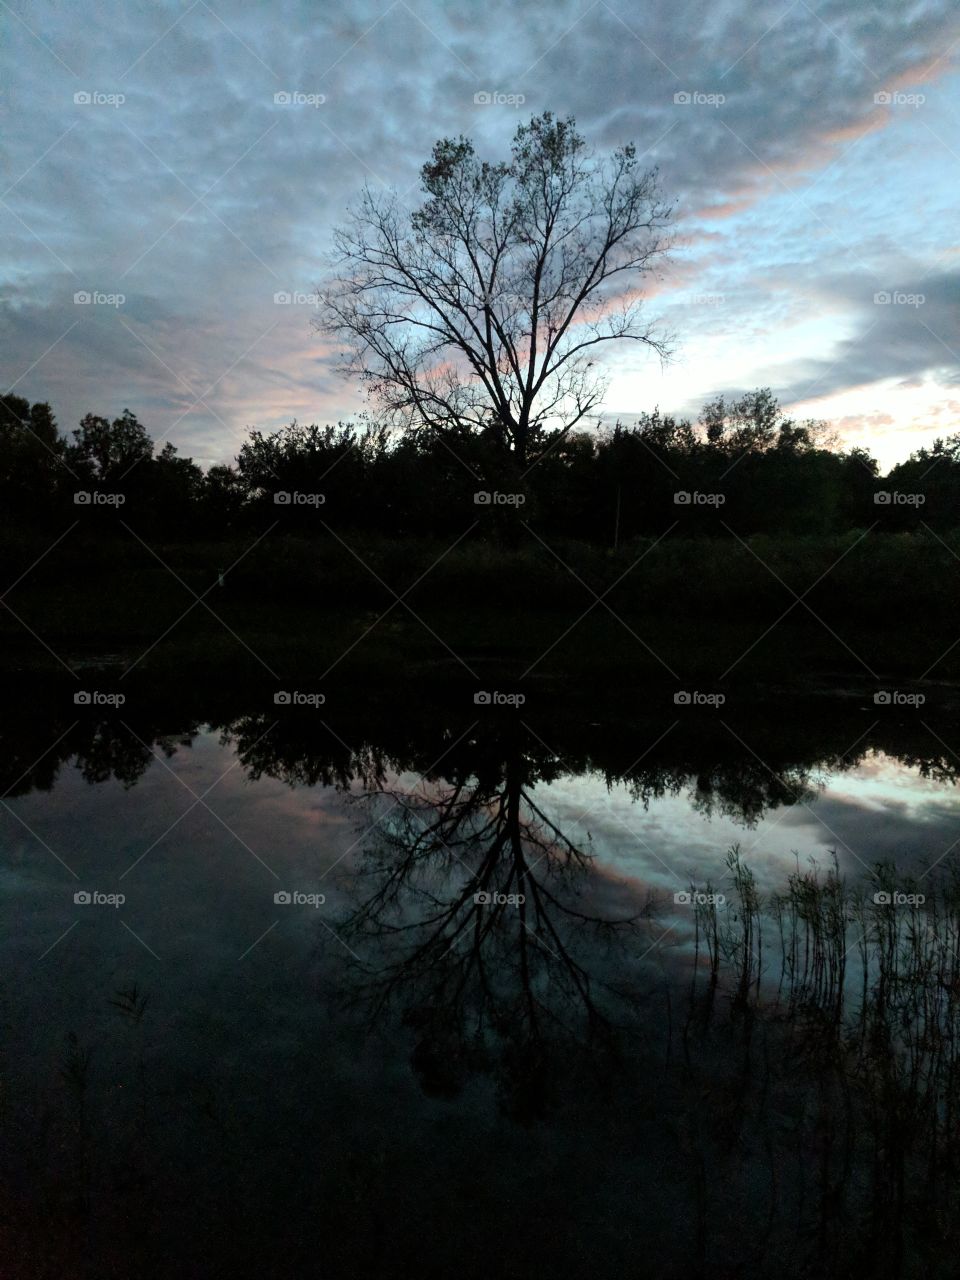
x: 296, y: 993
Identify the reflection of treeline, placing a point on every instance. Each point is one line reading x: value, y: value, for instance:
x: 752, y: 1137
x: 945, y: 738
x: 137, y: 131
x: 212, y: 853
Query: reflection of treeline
x: 744, y: 464
x: 781, y: 766
x: 788, y: 1105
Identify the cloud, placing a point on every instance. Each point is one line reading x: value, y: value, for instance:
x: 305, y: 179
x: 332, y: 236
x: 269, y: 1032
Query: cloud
x: 910, y: 331
x: 200, y: 196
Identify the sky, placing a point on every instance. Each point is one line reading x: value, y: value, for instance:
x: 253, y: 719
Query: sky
x: 181, y: 164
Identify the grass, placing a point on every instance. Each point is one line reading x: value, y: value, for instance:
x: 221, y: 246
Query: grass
x: 854, y: 1030
x: 666, y: 610
x: 809, y: 1127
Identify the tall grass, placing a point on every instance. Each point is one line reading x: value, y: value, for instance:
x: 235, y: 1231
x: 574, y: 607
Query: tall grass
x: 860, y: 1011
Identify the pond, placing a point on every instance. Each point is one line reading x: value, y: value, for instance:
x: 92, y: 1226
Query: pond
x: 354, y: 957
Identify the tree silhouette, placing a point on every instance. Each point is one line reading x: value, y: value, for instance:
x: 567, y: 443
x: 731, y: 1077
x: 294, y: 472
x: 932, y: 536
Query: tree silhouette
x: 104, y: 451
x: 485, y: 307
x: 31, y: 455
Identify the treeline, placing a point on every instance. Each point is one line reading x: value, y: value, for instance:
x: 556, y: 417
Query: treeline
x: 743, y: 466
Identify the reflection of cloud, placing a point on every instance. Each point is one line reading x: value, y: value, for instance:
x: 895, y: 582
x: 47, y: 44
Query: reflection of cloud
x: 882, y: 810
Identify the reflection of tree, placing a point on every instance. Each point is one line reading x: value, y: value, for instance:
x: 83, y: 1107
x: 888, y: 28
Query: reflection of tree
x: 744, y: 789
x: 303, y: 753
x: 33, y: 751
x: 700, y: 757
x: 490, y: 930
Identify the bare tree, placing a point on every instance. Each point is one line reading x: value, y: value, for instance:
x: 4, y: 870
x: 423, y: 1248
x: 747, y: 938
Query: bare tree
x: 483, y: 308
